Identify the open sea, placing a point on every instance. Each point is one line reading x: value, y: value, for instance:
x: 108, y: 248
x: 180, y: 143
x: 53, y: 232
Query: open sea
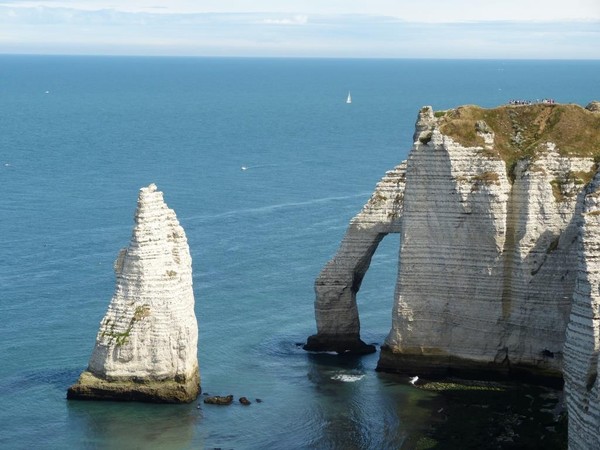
x: 80, y: 135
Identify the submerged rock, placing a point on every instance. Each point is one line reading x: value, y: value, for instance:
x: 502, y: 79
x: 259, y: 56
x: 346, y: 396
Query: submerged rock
x: 147, y: 345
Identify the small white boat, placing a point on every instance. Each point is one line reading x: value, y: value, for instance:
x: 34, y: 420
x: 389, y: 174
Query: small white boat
x: 349, y: 99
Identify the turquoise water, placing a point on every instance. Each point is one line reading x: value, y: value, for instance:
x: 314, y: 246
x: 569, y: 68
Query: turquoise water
x: 79, y: 137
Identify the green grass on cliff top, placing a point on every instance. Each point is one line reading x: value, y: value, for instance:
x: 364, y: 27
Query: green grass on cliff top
x: 521, y: 130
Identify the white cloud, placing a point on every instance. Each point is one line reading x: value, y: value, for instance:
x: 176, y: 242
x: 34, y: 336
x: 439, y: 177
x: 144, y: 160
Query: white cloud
x: 298, y: 19
x: 433, y: 11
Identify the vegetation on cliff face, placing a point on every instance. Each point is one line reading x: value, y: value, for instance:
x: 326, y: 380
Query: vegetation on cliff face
x: 521, y: 131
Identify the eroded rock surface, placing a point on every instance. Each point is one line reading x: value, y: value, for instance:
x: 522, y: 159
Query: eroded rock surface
x: 147, y: 345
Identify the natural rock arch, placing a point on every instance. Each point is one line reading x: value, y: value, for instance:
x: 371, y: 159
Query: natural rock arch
x: 338, y: 324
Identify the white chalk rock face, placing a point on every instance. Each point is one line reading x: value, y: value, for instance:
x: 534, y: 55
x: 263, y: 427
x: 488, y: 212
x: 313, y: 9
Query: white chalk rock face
x: 486, y: 266
x: 147, y: 345
x: 583, y: 333
x: 540, y: 258
x: 452, y: 240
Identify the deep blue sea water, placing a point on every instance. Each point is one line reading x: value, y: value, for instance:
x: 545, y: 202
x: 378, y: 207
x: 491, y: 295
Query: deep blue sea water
x: 80, y: 135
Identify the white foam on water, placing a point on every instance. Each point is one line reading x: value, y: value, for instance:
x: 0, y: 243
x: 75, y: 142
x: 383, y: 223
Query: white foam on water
x: 347, y: 378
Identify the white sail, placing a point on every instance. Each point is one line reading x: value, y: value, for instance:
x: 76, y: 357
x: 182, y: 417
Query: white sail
x: 349, y: 99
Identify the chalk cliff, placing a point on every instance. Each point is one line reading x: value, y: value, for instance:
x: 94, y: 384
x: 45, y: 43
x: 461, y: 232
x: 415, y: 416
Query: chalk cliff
x: 583, y: 333
x: 488, y: 244
x: 146, y: 347
x: 486, y: 208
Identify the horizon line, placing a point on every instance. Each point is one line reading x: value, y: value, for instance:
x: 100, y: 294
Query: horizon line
x: 323, y: 57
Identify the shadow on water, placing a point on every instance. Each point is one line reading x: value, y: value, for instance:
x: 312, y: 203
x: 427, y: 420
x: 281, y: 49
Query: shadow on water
x: 475, y: 415
x: 117, y: 425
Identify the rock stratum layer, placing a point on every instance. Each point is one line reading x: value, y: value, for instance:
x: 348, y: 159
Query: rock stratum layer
x: 147, y: 345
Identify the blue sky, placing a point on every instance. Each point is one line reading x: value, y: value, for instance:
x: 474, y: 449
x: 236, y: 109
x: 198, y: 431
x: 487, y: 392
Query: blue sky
x: 322, y: 28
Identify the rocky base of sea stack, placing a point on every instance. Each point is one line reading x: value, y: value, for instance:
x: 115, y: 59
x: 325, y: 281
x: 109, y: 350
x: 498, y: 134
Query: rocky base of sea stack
x: 91, y: 387
x: 441, y: 367
x: 339, y: 344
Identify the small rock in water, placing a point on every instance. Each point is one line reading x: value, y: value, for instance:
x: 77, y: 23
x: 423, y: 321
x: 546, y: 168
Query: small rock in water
x: 219, y: 400
x: 258, y: 400
x: 245, y: 401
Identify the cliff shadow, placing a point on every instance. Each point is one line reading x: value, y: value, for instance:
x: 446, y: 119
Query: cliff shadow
x: 541, y: 286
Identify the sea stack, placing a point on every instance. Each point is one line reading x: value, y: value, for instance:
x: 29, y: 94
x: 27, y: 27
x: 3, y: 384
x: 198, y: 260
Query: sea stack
x: 147, y: 345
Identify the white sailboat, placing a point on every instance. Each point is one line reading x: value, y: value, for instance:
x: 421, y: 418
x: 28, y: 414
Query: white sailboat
x: 349, y: 99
